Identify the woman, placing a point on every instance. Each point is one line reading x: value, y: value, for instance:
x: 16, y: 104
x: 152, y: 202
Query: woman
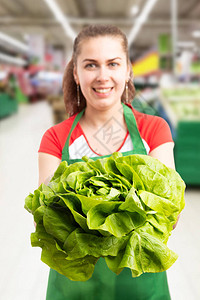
x: 97, y: 82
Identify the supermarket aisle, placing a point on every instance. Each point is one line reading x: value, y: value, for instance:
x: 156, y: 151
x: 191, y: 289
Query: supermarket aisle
x: 23, y: 275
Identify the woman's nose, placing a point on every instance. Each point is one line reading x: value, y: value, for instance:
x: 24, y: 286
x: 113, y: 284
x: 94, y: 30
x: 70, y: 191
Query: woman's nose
x: 103, y: 74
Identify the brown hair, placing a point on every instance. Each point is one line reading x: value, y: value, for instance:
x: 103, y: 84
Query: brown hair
x: 69, y: 84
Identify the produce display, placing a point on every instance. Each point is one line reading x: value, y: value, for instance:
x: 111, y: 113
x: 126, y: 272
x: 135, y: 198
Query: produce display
x: 121, y: 208
x: 184, y: 102
x: 182, y: 92
x: 187, y: 110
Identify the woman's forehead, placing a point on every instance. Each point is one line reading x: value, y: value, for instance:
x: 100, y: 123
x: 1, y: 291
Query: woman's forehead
x: 108, y: 46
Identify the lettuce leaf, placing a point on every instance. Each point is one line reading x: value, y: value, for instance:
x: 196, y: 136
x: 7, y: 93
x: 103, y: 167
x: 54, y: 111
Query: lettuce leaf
x: 120, y: 208
x: 55, y: 257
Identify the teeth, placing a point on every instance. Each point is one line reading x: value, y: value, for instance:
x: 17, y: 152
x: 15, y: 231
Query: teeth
x: 103, y: 91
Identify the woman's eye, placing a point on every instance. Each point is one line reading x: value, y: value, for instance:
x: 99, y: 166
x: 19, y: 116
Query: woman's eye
x: 90, y: 66
x: 113, y: 64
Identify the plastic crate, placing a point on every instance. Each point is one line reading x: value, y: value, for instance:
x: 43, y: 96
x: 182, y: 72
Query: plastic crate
x: 187, y: 151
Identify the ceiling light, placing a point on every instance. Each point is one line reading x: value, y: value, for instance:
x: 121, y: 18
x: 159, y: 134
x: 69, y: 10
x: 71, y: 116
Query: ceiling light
x: 141, y: 20
x: 13, y: 42
x: 12, y: 60
x: 134, y: 10
x: 186, y: 44
x: 61, y: 18
x: 196, y: 34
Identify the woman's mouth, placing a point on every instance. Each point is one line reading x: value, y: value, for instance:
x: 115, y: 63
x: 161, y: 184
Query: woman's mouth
x: 102, y: 91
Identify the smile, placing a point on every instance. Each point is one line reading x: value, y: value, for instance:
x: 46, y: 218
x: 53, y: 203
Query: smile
x: 103, y: 91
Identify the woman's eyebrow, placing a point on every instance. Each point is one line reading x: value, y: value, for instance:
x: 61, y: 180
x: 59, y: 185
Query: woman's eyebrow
x: 89, y: 59
x: 94, y: 60
x: 114, y: 58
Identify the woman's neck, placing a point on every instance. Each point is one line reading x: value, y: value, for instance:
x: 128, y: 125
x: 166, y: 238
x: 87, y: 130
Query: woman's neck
x: 105, y: 130
x: 98, y: 118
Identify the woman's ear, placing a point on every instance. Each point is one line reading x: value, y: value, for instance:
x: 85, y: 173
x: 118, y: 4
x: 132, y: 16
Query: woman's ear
x: 128, y: 73
x: 75, y: 75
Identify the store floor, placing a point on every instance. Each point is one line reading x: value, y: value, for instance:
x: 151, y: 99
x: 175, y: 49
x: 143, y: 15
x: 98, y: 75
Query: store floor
x: 23, y: 275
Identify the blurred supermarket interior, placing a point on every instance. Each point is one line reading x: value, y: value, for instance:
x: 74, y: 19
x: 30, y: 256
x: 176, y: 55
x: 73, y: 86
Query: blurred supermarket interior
x: 36, y: 40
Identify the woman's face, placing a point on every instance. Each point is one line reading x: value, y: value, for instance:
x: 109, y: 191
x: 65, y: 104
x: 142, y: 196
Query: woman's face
x: 101, y: 70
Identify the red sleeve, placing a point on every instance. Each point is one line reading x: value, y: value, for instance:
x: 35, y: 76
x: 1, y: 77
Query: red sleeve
x: 153, y: 129
x: 50, y: 143
x: 158, y: 133
x: 54, y: 139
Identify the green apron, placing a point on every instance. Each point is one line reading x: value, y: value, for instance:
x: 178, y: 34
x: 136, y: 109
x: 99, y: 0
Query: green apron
x: 104, y: 284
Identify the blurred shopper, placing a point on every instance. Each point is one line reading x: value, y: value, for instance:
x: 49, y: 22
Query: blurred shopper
x: 98, y: 89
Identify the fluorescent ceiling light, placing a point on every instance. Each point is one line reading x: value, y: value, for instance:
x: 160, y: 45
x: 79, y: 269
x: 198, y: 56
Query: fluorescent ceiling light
x: 134, y: 10
x: 141, y: 20
x: 13, y: 42
x: 196, y: 34
x: 12, y: 60
x: 61, y: 18
x: 186, y: 44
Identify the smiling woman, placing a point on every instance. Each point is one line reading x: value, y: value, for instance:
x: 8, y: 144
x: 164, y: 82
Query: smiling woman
x: 102, y: 50
x: 102, y: 74
x: 98, y: 89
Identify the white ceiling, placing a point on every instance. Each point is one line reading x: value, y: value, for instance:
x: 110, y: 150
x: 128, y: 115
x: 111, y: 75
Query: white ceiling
x: 19, y: 18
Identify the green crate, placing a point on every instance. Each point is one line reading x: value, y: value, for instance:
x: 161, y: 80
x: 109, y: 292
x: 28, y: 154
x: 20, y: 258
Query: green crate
x: 187, y: 151
x: 8, y: 105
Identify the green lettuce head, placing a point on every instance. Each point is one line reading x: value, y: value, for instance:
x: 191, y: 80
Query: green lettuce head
x: 120, y: 208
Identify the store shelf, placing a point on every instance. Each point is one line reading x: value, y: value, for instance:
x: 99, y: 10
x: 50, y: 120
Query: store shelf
x: 183, y: 111
x: 8, y: 105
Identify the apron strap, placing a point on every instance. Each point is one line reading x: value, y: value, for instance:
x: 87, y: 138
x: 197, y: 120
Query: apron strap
x: 65, y: 151
x: 133, y: 130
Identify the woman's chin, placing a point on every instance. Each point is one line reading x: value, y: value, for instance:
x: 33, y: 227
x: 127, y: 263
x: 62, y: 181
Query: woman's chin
x: 102, y: 104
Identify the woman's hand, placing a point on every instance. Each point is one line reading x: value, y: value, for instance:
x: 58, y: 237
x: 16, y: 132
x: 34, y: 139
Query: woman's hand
x: 176, y: 222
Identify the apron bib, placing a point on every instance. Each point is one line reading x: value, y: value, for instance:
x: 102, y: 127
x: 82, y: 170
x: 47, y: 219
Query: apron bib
x: 104, y: 284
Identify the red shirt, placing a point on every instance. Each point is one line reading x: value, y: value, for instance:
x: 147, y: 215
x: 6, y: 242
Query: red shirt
x: 154, y: 132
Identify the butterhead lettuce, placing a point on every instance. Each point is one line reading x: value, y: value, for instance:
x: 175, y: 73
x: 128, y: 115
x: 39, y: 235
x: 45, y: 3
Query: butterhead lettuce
x: 120, y: 208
